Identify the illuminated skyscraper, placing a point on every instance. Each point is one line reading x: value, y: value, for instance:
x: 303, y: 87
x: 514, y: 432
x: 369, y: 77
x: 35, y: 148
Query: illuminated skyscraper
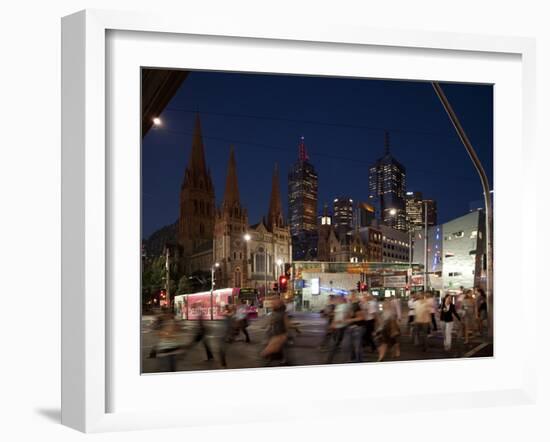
x: 343, y: 215
x: 415, y: 212
x: 387, y: 185
x: 302, y: 206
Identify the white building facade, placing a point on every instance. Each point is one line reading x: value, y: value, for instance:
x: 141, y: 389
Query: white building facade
x: 464, y: 252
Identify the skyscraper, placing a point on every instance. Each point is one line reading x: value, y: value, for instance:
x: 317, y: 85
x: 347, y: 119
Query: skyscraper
x: 302, y: 205
x: 415, y: 211
x: 343, y: 215
x: 387, y: 185
x: 365, y: 214
x: 431, y: 207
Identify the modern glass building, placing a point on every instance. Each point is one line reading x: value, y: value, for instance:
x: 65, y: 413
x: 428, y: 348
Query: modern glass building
x: 342, y: 219
x: 387, y: 183
x: 302, y: 206
x: 414, y: 209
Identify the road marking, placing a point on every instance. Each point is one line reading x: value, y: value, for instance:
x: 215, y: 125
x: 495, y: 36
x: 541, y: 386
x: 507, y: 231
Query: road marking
x: 474, y: 350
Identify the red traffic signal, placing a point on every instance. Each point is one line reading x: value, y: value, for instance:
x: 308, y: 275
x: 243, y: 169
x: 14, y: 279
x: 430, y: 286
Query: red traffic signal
x: 283, y: 283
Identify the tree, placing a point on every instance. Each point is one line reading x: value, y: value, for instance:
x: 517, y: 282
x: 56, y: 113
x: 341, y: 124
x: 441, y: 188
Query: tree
x: 152, y: 277
x: 184, y: 286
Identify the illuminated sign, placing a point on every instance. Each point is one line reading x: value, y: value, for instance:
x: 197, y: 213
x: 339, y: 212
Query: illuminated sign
x: 315, y: 286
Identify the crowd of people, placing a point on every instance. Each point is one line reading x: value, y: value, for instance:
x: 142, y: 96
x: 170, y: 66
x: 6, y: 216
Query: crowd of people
x: 355, y: 324
x: 376, y: 325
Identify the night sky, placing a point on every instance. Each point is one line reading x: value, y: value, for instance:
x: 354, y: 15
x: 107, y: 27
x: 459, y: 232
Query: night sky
x: 343, y: 122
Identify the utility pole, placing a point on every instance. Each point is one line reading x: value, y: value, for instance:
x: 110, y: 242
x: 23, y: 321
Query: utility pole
x: 426, y: 284
x: 487, y: 197
x: 167, y: 276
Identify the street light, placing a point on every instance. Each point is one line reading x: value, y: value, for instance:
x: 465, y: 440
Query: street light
x: 157, y: 122
x: 212, y: 269
x: 279, y: 264
x: 393, y: 212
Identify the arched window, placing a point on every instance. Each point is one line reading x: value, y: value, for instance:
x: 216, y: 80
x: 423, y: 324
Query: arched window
x: 237, y: 277
x: 259, y: 260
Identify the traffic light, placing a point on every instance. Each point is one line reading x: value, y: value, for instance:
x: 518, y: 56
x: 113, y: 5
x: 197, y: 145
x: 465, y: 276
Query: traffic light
x: 363, y: 287
x: 359, y: 286
x: 275, y: 287
x: 283, y: 283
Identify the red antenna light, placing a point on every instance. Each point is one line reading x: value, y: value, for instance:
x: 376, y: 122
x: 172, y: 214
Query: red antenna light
x: 302, y: 153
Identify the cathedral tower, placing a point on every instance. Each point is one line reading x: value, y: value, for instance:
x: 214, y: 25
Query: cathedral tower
x: 230, y: 227
x: 197, y: 203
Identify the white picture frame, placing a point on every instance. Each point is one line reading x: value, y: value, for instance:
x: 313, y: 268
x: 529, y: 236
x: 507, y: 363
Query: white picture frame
x: 87, y: 211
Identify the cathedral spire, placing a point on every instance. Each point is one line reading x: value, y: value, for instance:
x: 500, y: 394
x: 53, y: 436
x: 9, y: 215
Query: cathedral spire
x: 197, y: 164
x: 231, y: 197
x: 275, y: 215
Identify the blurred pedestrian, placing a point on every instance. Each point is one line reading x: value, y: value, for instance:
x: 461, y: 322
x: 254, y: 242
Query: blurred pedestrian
x: 370, y: 305
x: 468, y: 316
x: 481, y: 309
x: 200, y: 336
x: 396, y: 307
x: 357, y: 327
x: 167, y: 348
x: 338, y: 325
x: 241, y: 320
x: 388, y: 331
x: 277, y: 333
x: 433, y: 308
x: 422, y: 320
x: 328, y: 314
x: 447, y: 312
x: 227, y: 334
x: 410, y: 316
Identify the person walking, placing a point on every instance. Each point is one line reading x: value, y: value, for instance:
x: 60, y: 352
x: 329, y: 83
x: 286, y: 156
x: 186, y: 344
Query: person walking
x: 447, y: 312
x: 433, y: 308
x: 422, y: 320
x: 370, y: 305
x: 388, y: 332
x: 227, y: 333
x: 328, y: 314
x: 167, y: 348
x: 481, y: 309
x: 339, y: 325
x: 277, y: 333
x: 357, y: 329
x: 200, y: 336
x: 468, y: 315
x: 241, y: 321
x: 410, y: 316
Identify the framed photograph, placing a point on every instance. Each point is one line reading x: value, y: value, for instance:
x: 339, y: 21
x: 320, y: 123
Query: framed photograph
x: 250, y: 212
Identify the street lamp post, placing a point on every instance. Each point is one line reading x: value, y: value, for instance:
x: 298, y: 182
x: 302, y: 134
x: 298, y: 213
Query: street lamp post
x: 486, y: 194
x: 279, y: 263
x: 426, y: 245
x: 212, y: 270
x: 167, y: 277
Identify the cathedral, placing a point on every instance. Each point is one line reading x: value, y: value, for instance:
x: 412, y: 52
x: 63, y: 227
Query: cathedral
x: 247, y: 255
